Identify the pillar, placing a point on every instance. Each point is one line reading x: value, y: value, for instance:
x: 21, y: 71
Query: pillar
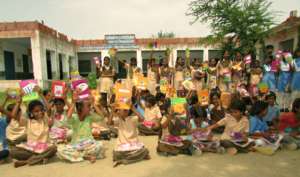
x: 139, y: 58
x: 38, y: 59
x: 2, y: 66
x: 65, y: 62
x: 73, y: 63
x: 205, y: 54
x: 54, y: 65
x: 173, y: 57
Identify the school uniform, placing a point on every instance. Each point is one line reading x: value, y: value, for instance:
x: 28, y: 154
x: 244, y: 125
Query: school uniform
x: 4, y: 152
x: 16, y: 131
x: 178, y: 77
x: 225, y: 74
x: 106, y: 82
x: 37, y: 147
x: 152, y: 80
x: 283, y: 84
x: 234, y: 126
x: 269, y: 78
x: 170, y: 142
x: 152, y: 119
x: 128, y: 148
x: 295, y: 85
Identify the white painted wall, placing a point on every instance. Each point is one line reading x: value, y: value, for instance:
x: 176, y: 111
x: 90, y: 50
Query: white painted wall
x: 18, y: 50
x: 276, y: 39
x: 56, y: 47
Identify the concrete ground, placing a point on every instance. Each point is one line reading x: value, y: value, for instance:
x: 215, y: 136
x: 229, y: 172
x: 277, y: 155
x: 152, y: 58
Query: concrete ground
x: 282, y: 164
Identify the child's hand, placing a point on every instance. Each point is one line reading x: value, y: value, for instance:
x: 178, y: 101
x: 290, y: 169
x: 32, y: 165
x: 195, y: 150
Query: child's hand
x: 37, y: 89
x: 92, y: 100
x: 245, y: 138
x: 114, y: 107
x: 208, y: 129
x: 6, y: 92
x: 22, y: 93
x: 75, y: 96
x: 171, y: 111
x: 133, y: 108
x: 50, y: 122
x: 19, y: 99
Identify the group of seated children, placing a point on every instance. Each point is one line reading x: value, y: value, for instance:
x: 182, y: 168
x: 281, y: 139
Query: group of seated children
x: 33, y: 132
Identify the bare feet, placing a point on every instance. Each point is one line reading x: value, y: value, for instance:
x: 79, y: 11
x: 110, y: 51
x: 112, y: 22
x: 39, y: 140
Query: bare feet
x: 232, y: 151
x: 45, y: 161
x: 92, y: 159
x: 116, y: 163
x: 20, y: 163
x: 147, y: 157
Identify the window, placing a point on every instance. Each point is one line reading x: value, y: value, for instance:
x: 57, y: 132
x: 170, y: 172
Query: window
x: 287, y: 45
x: 214, y: 54
x: 84, y: 66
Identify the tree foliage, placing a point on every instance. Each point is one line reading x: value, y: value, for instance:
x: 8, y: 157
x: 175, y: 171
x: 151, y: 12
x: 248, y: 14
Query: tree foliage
x: 162, y: 34
x: 242, y: 23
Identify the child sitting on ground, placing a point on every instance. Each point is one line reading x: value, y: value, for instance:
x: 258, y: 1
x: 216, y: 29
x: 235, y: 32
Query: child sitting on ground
x: 266, y: 140
x: 16, y: 129
x: 170, y: 140
x: 273, y: 112
x: 128, y: 148
x: 289, y: 124
x: 217, y: 112
x: 234, y: 137
x: 37, y: 149
x: 201, y: 138
x: 150, y: 125
x: 83, y: 145
x: 60, y: 130
x: 4, y: 151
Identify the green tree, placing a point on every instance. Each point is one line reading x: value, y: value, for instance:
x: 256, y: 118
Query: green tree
x: 239, y: 23
x: 162, y: 34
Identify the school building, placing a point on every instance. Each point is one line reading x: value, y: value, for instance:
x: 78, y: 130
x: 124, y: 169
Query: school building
x: 285, y: 36
x: 32, y: 50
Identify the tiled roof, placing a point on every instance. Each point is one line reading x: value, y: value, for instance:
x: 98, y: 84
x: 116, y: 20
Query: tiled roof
x: 287, y: 24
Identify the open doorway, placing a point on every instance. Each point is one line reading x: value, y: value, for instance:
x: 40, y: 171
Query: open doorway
x: 9, y: 63
x: 60, y: 62
x: 49, y: 67
x: 17, y: 58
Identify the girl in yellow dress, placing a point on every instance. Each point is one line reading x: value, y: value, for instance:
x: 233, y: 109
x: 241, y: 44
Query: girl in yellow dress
x: 224, y: 73
x: 212, y: 74
x: 237, y: 70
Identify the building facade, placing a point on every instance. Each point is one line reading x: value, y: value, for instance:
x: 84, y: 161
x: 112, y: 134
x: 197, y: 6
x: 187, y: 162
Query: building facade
x: 32, y: 50
x: 285, y: 36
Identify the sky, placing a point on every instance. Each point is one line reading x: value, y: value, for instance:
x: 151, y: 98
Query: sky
x: 92, y: 19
